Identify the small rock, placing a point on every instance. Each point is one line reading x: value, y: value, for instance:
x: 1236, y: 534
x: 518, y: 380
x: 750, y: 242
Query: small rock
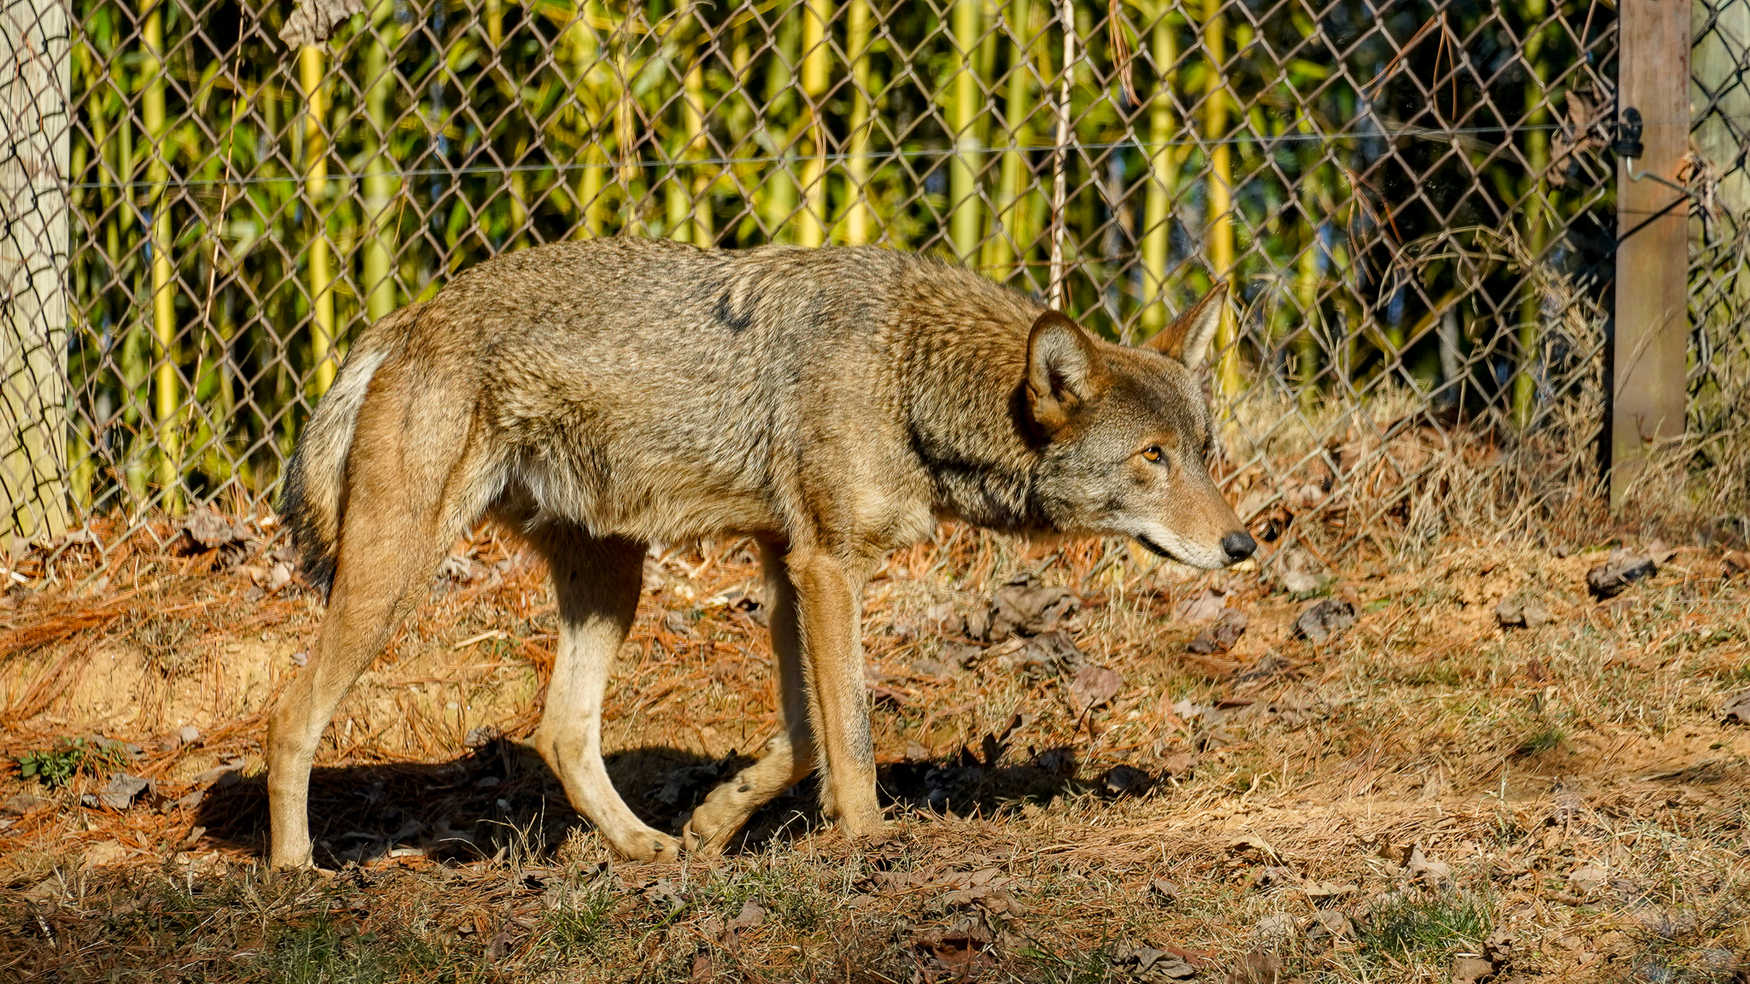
x: 1470, y: 969
x: 1610, y: 578
x: 1220, y: 637
x: 188, y: 734
x: 1324, y: 621
x: 1167, y: 890
x: 1522, y: 611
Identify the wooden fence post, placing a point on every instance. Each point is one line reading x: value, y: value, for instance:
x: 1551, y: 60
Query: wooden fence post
x: 35, y: 137
x: 1649, y: 346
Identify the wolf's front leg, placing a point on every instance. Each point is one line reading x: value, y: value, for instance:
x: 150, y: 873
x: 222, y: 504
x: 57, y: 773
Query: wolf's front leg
x: 828, y: 601
x: 790, y: 754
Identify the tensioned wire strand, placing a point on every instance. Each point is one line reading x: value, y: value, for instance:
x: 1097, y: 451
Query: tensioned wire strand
x: 1412, y: 133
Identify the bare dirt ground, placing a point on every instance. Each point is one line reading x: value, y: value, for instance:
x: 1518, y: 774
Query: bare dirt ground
x: 1099, y: 768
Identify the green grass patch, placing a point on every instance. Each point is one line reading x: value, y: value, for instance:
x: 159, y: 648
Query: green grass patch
x: 1425, y: 928
x: 70, y: 757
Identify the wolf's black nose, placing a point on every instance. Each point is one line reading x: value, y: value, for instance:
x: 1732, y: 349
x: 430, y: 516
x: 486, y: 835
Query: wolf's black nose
x: 1238, y: 545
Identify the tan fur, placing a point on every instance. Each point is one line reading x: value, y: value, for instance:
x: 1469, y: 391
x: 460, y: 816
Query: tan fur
x: 599, y: 396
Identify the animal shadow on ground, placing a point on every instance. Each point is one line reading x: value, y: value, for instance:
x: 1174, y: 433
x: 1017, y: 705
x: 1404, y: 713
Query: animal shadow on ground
x: 501, y: 798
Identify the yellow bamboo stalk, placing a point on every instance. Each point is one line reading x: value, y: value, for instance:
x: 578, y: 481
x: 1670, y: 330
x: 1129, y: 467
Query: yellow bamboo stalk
x: 1537, y: 159
x: 495, y: 24
x: 815, y: 51
x: 1157, y: 205
x: 704, y: 231
x: 859, y: 221
x: 778, y: 194
x: 310, y: 83
x: 166, y: 383
x: 378, y: 285
x: 1221, y: 230
x: 585, y: 56
x: 964, y: 110
x: 1013, y: 176
x: 625, y: 129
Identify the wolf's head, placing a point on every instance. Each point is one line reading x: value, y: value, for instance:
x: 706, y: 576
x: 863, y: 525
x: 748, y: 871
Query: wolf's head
x: 1126, y: 436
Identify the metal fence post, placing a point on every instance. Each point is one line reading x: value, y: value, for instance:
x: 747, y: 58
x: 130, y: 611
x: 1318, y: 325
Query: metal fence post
x: 35, y: 136
x: 1650, y: 342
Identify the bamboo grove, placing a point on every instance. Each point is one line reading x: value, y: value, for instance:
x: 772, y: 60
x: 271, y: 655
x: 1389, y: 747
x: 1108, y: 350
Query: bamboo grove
x: 1378, y: 181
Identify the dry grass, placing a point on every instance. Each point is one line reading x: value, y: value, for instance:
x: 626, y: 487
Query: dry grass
x: 1565, y: 799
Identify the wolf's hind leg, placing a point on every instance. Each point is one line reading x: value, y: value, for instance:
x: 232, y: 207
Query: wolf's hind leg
x: 597, y: 582
x: 398, y: 525
x: 789, y: 755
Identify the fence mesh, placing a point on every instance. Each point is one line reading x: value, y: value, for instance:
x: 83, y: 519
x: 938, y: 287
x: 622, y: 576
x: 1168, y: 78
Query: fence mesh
x: 1414, y: 199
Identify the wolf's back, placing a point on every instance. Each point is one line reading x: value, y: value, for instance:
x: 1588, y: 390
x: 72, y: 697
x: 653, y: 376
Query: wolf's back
x: 314, y: 493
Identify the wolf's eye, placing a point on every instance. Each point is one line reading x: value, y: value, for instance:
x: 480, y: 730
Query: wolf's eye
x: 1153, y: 453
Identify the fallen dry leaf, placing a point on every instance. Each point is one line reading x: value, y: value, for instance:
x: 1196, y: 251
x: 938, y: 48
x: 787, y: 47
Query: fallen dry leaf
x: 1734, y: 562
x: 1123, y: 780
x: 1205, y: 606
x: 1092, y: 687
x: 207, y: 529
x: 1147, y: 963
x: 1522, y: 611
x: 1737, y: 709
x: 119, y: 792
x: 1022, y: 607
x: 1324, y: 621
x: 1610, y: 578
x: 1588, y: 879
x: 1427, y: 869
x: 1469, y: 969
x: 1220, y: 637
x: 1256, y: 967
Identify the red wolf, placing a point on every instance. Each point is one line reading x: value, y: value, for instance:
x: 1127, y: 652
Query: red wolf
x: 832, y: 403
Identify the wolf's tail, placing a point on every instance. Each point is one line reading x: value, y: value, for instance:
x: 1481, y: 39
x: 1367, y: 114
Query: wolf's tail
x: 313, y: 497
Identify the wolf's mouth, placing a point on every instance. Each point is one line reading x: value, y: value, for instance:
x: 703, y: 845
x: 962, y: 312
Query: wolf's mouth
x: 1155, y: 548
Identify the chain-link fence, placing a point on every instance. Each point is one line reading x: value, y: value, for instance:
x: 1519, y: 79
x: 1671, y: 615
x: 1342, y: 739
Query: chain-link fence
x: 1414, y: 199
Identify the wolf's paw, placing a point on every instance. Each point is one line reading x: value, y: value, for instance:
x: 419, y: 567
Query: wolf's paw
x: 650, y: 845
x: 870, y: 833
x: 699, y: 843
x: 718, y: 818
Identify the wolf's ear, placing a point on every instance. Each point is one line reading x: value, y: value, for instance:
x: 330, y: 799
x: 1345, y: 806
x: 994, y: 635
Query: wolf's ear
x: 1187, y: 338
x: 1063, y: 369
